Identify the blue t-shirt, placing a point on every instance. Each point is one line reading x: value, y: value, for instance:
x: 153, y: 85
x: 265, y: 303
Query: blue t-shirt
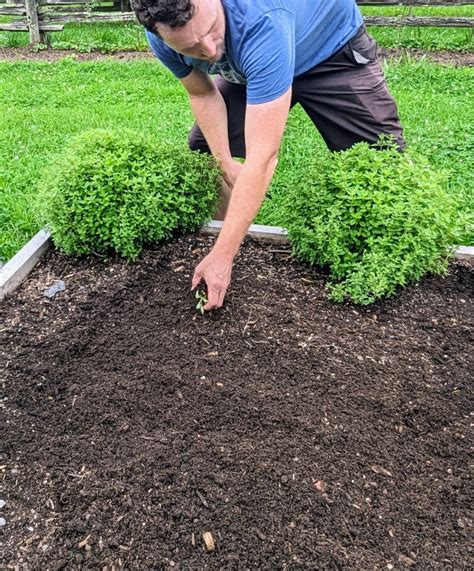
x: 270, y: 42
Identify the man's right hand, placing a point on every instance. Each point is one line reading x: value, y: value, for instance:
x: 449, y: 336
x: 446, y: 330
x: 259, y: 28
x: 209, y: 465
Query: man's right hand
x: 231, y: 170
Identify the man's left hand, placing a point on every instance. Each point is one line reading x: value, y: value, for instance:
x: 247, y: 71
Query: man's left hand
x: 215, y: 269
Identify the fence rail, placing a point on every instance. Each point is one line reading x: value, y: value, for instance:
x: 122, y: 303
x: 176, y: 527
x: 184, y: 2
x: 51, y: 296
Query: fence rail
x: 41, y: 16
x: 421, y: 21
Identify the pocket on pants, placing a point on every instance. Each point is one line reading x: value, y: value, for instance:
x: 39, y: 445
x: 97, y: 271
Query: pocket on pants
x: 362, y: 48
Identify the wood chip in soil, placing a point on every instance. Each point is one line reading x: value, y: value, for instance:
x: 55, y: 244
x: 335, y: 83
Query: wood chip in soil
x: 297, y: 433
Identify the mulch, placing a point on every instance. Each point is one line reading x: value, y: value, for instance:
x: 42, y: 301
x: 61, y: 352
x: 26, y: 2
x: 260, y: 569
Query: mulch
x: 299, y: 433
x: 445, y: 57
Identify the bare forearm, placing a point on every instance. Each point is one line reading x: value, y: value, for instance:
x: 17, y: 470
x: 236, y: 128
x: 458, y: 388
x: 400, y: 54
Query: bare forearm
x: 211, y: 115
x: 264, y: 127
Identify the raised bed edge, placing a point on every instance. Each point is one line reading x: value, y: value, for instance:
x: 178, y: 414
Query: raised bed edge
x: 17, y: 269
x: 256, y: 231
x: 465, y: 253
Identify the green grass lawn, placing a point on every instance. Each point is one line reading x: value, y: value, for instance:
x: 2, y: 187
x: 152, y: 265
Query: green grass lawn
x: 114, y: 37
x: 44, y: 103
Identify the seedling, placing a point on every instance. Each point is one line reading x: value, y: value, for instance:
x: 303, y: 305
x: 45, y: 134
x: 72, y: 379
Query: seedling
x: 202, y: 300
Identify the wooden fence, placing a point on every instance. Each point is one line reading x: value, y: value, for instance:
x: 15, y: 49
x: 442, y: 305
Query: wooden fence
x: 41, y: 16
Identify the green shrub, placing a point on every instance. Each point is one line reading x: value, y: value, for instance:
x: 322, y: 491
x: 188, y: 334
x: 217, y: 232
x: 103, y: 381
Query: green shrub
x: 377, y: 218
x: 119, y: 190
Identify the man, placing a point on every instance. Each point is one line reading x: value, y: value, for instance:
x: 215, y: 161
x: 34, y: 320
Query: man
x: 268, y: 56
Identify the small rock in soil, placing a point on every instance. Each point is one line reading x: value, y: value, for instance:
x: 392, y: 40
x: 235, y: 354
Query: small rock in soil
x: 320, y: 486
x: 54, y: 289
x: 2, y: 504
x: 3, y: 521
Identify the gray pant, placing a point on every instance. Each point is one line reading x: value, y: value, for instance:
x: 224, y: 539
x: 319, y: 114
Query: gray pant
x: 345, y: 96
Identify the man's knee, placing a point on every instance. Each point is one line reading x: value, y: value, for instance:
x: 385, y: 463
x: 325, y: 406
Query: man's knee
x: 197, y: 142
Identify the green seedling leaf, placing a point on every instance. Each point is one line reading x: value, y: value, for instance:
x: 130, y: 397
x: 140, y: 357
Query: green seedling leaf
x: 202, y: 300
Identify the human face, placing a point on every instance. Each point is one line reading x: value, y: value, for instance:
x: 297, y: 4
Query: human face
x: 203, y: 36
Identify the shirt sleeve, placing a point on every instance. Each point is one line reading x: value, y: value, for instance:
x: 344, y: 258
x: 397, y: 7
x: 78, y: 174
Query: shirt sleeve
x: 268, y: 59
x: 168, y: 57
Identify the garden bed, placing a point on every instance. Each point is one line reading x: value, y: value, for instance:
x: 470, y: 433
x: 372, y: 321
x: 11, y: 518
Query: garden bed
x: 299, y: 433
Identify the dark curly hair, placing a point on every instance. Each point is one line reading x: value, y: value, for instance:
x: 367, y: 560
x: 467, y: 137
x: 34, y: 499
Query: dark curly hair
x: 173, y: 13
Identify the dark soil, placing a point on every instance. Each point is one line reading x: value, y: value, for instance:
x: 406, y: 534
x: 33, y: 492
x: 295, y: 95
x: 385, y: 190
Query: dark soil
x: 301, y: 434
x: 446, y: 57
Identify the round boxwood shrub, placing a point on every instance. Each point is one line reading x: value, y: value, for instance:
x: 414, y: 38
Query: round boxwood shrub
x: 376, y: 218
x: 119, y: 190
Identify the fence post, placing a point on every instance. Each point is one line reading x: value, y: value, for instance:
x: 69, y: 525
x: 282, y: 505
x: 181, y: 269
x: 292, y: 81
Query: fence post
x: 32, y: 9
